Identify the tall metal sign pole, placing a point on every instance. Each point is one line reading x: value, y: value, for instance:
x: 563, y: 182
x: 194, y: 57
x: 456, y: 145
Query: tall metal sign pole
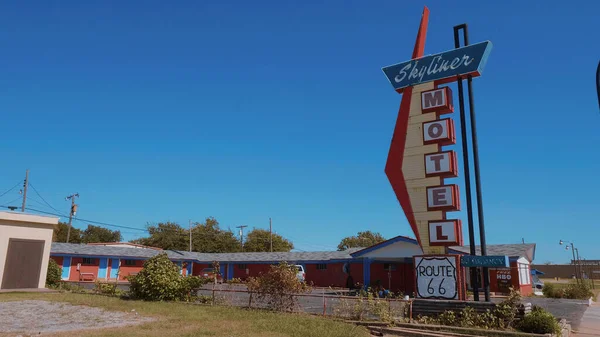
x: 475, y: 148
x: 417, y: 165
x: 598, y: 83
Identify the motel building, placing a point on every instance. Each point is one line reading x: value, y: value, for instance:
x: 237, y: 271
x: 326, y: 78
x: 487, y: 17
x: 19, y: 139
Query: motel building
x: 389, y: 263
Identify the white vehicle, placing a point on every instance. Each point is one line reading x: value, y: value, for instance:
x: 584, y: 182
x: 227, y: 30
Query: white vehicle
x: 301, y: 274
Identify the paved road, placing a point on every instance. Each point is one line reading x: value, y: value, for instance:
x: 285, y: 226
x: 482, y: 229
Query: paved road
x: 590, y: 323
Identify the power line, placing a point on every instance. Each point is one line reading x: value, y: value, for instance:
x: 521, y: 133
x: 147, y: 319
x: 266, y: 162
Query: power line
x: 12, y: 188
x: 88, y: 221
x: 44, y: 200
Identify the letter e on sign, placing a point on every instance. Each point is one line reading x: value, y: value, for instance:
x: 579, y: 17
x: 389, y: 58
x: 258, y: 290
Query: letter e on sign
x: 444, y: 232
x: 443, y: 198
x: 442, y: 164
x: 439, y: 132
x: 437, y: 100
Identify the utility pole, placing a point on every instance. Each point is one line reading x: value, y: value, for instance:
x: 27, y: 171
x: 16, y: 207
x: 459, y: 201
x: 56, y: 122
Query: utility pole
x: 242, y: 235
x: 271, y: 234
x: 25, y: 184
x: 72, y: 213
x: 190, y: 235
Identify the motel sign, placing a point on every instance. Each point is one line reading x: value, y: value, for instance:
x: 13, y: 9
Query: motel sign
x: 419, y: 163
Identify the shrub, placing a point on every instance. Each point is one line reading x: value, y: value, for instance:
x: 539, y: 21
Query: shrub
x: 579, y: 291
x: 235, y: 280
x: 105, y: 288
x: 54, y: 274
x: 539, y: 321
x: 552, y: 291
x: 160, y: 280
x: 71, y: 287
x: 278, y: 287
x: 506, y: 311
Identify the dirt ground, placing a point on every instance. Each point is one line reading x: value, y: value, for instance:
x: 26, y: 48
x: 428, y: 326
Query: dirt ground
x: 34, y: 318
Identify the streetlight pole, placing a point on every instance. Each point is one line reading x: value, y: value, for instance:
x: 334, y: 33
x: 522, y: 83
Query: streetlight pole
x: 574, y: 260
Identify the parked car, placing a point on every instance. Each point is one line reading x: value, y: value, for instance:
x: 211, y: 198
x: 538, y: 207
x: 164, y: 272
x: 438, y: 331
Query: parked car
x: 301, y: 274
x: 210, y: 273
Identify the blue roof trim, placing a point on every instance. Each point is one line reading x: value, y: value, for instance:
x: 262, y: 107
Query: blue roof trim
x: 384, y: 244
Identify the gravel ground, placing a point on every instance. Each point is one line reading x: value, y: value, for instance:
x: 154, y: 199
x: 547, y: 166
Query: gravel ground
x: 40, y: 317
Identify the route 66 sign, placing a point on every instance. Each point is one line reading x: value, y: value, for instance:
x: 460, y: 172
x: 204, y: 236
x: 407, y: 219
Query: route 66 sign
x: 437, y: 276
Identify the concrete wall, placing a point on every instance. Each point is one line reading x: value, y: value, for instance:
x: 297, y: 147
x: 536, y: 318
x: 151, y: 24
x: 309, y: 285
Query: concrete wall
x: 565, y: 271
x: 29, y: 227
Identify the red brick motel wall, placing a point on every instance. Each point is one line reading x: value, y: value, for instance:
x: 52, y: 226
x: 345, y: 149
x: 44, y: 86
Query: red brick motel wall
x: 85, y: 268
x: 58, y: 260
x: 125, y: 271
x: 197, y: 268
x: 332, y: 276
x: 254, y: 270
x: 402, y: 279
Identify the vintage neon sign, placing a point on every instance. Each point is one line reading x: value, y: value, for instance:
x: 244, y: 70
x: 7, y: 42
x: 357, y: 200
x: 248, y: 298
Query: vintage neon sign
x: 469, y: 60
x: 417, y: 164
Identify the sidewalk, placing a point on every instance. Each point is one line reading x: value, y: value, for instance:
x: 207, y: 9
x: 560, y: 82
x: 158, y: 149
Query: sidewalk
x: 590, y: 322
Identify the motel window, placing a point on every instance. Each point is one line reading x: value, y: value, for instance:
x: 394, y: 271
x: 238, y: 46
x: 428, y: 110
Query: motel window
x: 242, y: 266
x: 130, y: 262
x: 389, y: 267
x: 321, y: 266
x: 88, y: 260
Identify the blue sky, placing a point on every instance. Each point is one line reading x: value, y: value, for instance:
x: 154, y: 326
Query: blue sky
x: 250, y: 110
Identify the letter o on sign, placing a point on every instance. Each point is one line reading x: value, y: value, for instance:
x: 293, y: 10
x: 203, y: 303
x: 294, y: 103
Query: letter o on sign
x: 437, y: 131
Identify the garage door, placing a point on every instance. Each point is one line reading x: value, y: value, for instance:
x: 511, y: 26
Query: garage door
x: 23, y: 264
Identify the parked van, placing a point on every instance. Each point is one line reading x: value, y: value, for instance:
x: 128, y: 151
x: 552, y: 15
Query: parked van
x: 301, y: 274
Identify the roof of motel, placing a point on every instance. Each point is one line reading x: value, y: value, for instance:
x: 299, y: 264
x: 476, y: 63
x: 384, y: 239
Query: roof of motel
x: 526, y: 250
x: 95, y: 250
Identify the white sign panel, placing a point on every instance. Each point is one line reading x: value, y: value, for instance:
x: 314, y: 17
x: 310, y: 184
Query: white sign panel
x: 436, y: 277
x: 437, y: 163
x: 442, y: 232
x: 433, y: 131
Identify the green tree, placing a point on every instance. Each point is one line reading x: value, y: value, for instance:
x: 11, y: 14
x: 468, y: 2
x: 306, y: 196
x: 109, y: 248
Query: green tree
x: 54, y: 273
x: 362, y: 239
x: 60, y: 233
x: 258, y: 240
x: 208, y: 237
x: 166, y: 235
x: 100, y: 234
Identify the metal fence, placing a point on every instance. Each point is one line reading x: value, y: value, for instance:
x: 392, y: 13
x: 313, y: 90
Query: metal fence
x: 320, y: 301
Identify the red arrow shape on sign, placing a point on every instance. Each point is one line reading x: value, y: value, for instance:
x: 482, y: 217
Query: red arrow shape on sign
x: 393, y: 166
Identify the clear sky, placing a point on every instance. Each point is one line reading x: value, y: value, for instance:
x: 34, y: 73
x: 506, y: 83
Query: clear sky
x: 248, y: 110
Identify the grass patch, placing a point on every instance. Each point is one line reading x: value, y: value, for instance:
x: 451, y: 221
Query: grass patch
x: 180, y: 319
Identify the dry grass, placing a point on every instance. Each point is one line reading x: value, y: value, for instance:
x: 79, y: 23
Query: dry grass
x: 180, y: 319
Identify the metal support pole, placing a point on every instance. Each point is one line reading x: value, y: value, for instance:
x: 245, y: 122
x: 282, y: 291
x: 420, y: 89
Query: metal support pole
x: 598, y: 83
x: 574, y: 263
x: 465, y: 148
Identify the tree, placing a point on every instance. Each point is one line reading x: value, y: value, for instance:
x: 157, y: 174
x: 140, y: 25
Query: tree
x: 60, y: 233
x: 258, y: 240
x: 207, y: 237
x: 100, y: 234
x: 363, y: 239
x: 166, y: 235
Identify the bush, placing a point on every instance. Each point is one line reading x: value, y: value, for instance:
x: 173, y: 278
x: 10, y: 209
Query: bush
x: 278, y: 287
x: 71, y: 287
x: 110, y: 289
x: 539, y: 321
x: 54, y: 274
x: 160, y: 280
x: 506, y: 311
x: 578, y: 291
x: 550, y: 290
x: 235, y: 280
